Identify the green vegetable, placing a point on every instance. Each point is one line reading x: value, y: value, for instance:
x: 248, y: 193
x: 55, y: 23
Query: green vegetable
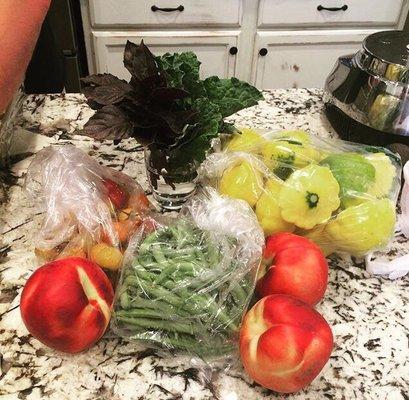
x: 183, y: 290
x: 165, y: 106
x: 354, y: 174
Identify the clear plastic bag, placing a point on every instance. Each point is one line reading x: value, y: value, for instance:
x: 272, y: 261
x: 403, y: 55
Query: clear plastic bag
x: 399, y: 266
x: 339, y: 194
x: 89, y: 210
x: 187, y: 281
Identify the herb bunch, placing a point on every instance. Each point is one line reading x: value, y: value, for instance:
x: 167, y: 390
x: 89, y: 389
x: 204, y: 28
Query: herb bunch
x: 165, y: 105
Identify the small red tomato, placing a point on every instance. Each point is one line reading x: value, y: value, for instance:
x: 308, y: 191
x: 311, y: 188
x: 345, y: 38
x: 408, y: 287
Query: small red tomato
x: 138, y: 202
x: 116, y: 194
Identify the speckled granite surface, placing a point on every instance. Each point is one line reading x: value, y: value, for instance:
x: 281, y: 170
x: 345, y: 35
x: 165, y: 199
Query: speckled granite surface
x: 369, y: 315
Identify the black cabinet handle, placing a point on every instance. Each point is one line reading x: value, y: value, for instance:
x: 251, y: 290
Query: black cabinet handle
x: 233, y: 50
x: 263, y: 52
x: 155, y: 8
x: 343, y: 8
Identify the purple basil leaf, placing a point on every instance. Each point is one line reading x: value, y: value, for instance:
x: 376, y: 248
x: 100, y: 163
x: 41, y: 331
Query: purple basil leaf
x: 107, y: 95
x: 139, y: 115
x: 144, y: 136
x: 139, y: 61
x: 168, y: 94
x: 109, y: 123
x: 100, y: 79
x: 150, y: 83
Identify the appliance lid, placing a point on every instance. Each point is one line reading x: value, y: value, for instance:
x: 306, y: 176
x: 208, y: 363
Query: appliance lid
x: 386, y: 54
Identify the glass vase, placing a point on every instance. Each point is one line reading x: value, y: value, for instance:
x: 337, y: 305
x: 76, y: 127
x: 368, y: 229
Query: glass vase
x: 170, y: 186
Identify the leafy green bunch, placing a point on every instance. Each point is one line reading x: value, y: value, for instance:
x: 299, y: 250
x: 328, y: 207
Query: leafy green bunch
x: 165, y: 105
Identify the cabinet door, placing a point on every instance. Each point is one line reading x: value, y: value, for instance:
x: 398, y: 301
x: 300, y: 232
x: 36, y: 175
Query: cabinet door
x: 359, y: 13
x: 300, y: 59
x: 149, y: 13
x: 212, y: 50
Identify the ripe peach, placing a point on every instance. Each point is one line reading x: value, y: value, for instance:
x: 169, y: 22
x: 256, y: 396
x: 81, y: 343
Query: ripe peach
x: 284, y: 343
x: 66, y: 304
x: 295, y: 266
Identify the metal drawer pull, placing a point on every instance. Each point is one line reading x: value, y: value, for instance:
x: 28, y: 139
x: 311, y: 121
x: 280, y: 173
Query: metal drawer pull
x: 180, y: 8
x: 343, y: 8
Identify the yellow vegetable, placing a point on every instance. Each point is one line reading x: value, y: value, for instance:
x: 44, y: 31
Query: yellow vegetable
x: 299, y: 136
x: 248, y: 140
x: 320, y: 237
x: 243, y: 182
x: 309, y: 196
x: 283, y: 156
x: 106, y: 256
x: 362, y: 228
x: 268, y: 211
x: 355, y: 199
x: 385, y: 173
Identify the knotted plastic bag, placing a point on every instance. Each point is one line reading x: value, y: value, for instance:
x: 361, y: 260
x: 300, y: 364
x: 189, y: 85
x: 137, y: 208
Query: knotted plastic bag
x: 339, y: 194
x: 89, y: 210
x: 399, y: 266
x: 187, y: 281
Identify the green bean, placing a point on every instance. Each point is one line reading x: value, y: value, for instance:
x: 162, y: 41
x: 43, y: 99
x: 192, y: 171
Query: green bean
x: 159, y: 324
x: 166, y: 272
x: 239, y: 294
x: 141, y: 312
x: 159, y: 305
x: 141, y: 275
x: 151, y: 238
x: 124, y: 300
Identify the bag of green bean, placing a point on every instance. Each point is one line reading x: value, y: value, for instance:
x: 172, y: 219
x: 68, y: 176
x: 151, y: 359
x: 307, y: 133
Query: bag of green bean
x: 187, y: 281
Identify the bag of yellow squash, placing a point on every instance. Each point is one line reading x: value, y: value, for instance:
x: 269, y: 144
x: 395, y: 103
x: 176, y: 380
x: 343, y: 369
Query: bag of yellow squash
x: 339, y: 194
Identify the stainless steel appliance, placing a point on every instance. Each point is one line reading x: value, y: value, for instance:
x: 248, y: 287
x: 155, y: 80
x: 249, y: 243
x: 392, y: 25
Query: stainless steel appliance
x: 367, y: 94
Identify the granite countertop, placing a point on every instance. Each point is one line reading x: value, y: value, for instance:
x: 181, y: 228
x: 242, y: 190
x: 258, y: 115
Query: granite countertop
x: 369, y: 315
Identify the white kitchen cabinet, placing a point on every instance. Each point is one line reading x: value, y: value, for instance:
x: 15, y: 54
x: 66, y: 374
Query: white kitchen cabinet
x: 302, y: 59
x: 329, y: 13
x: 165, y: 13
x: 212, y: 50
x: 302, y: 38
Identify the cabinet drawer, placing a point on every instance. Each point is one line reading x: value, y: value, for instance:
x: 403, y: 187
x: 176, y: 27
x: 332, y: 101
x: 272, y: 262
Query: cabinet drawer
x: 300, y: 59
x: 140, y: 13
x: 349, y: 12
x: 213, y: 50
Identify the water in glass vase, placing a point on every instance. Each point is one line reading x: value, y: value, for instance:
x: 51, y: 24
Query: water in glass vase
x: 169, y: 189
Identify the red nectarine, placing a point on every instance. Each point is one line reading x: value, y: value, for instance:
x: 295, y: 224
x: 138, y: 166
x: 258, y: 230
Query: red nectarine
x: 295, y: 266
x: 284, y: 343
x: 285, y: 240
x: 66, y: 304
